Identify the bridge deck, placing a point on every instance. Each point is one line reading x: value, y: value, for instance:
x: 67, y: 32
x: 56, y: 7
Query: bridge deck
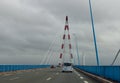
x: 45, y: 76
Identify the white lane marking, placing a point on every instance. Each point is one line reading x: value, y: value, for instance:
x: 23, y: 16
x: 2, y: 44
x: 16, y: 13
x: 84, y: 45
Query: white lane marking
x: 14, y: 78
x: 76, y: 72
x: 85, y: 81
x: 48, y: 78
x: 81, y: 77
x: 57, y: 73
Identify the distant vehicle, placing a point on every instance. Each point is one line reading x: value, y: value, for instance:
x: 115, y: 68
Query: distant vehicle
x: 52, y: 66
x: 67, y: 67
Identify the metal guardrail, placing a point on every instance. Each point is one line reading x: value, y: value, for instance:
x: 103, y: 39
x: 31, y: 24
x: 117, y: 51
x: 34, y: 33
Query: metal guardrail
x: 109, y: 72
x: 6, y: 68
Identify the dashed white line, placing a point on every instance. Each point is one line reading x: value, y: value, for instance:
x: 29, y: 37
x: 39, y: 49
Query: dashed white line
x: 48, y: 78
x: 76, y: 73
x: 14, y: 78
x: 85, y: 81
x: 81, y: 77
x: 57, y: 73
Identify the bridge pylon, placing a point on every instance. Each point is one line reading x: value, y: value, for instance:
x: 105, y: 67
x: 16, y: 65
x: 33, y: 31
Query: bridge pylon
x: 66, y: 55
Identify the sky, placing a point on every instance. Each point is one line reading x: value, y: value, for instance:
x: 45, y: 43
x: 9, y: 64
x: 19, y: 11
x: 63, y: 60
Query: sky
x: 31, y: 30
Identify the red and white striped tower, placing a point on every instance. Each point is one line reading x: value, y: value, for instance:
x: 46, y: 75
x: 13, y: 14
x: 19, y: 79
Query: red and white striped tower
x: 66, y: 55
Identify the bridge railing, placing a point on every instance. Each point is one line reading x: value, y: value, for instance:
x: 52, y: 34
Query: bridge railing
x: 109, y: 72
x: 5, y: 68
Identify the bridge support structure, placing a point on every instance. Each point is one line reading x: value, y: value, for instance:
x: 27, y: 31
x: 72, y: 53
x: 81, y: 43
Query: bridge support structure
x: 66, y: 55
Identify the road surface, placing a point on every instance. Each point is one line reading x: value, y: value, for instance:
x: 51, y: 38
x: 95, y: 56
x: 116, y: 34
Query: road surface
x: 46, y: 75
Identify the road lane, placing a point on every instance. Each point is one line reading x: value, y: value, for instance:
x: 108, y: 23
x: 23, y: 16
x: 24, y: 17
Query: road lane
x: 71, y: 78
x: 46, y: 75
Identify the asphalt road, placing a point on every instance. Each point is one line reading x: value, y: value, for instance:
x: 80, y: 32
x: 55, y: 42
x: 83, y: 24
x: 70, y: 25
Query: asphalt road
x: 46, y: 75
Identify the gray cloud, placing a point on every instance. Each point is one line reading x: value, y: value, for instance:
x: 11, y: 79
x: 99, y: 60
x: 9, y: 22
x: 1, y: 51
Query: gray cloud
x: 27, y: 29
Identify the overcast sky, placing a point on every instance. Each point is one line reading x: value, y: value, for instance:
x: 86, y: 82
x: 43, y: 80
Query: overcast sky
x: 29, y: 27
